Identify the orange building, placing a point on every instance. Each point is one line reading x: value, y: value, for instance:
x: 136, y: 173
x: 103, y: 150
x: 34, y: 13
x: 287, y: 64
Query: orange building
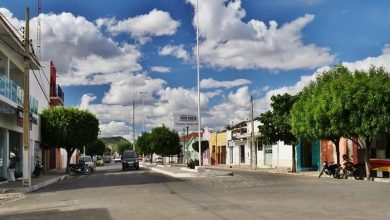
x: 217, y: 146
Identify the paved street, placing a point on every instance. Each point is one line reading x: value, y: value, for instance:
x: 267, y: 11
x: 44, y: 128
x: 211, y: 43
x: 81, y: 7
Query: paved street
x: 112, y: 194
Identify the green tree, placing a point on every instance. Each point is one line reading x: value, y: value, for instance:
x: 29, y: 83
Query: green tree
x: 122, y: 146
x: 96, y: 148
x: 368, y: 111
x: 316, y: 115
x: 204, y: 145
x: 276, y: 126
x: 165, y: 142
x: 345, y: 104
x: 69, y: 128
x: 143, y: 145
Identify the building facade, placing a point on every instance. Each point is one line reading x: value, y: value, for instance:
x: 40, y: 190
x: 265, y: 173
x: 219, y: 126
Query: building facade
x: 11, y: 101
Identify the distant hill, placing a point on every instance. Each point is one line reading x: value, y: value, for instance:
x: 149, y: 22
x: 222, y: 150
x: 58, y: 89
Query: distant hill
x: 111, y: 142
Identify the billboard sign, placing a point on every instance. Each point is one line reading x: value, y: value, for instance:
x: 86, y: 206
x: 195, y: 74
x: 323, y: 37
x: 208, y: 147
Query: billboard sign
x: 185, y: 120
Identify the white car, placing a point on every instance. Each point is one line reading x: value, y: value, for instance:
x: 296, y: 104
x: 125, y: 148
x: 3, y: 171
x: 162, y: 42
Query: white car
x: 117, y: 160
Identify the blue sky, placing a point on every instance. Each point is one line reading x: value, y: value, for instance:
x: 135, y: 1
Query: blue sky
x: 108, y: 51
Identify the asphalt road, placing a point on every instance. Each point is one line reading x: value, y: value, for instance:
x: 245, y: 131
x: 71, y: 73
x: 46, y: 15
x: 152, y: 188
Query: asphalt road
x: 110, y: 193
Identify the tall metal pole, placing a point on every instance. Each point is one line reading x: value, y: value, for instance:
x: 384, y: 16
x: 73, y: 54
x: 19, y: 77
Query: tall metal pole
x: 26, y: 104
x: 133, y: 124
x: 254, y: 150
x: 197, y: 70
x: 185, y: 149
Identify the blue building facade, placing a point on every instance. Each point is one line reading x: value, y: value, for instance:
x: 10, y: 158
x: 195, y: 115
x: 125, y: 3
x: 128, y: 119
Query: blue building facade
x: 308, y: 155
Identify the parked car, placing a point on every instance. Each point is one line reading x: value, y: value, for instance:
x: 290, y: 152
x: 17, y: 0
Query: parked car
x: 130, y: 160
x: 88, y: 161
x: 117, y: 159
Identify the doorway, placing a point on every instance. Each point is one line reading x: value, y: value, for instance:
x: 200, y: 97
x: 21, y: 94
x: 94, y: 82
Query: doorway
x: 268, y: 155
x: 242, y: 153
x: 306, y: 159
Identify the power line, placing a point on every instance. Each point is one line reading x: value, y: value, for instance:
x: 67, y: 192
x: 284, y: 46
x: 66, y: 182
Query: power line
x: 16, y: 30
x: 44, y: 93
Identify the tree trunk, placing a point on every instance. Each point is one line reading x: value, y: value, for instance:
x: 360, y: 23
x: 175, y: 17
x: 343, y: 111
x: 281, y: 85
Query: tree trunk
x: 294, y: 164
x: 69, y: 155
x: 368, y: 165
x: 337, y: 144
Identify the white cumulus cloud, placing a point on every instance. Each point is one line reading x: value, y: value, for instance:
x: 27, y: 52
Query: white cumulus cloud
x: 160, y: 69
x: 115, y: 128
x: 229, y: 42
x: 177, y: 51
x: 81, y: 52
x: 212, y: 83
x: 86, y: 99
x: 142, y: 27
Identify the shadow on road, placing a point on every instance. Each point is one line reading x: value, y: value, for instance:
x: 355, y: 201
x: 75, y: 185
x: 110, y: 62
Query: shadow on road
x: 55, y: 214
x: 109, y: 176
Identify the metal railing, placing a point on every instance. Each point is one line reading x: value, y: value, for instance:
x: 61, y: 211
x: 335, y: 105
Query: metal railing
x: 14, y: 93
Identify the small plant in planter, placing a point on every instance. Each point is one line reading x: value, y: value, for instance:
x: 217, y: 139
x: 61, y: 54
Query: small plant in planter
x: 192, y: 163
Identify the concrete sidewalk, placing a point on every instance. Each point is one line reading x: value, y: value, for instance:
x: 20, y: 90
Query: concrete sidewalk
x: 178, y: 171
x: 181, y: 171
x: 43, y: 180
x: 283, y: 171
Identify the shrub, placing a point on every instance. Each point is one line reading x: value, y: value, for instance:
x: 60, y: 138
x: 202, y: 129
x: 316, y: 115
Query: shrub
x: 2, y: 179
x: 192, y: 163
x: 99, y: 163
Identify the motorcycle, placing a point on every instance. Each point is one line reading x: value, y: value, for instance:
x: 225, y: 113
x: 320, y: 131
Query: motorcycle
x: 329, y: 169
x: 38, y: 169
x: 80, y: 168
x: 349, y: 169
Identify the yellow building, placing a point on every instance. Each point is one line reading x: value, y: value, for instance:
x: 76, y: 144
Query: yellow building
x: 217, y: 146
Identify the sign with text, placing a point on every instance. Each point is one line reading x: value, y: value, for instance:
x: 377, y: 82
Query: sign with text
x: 185, y: 120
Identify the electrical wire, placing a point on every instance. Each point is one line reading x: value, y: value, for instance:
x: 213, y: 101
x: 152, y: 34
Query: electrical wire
x: 44, y: 93
x: 16, y: 30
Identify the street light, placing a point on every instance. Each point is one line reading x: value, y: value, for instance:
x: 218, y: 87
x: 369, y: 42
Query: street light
x: 143, y: 110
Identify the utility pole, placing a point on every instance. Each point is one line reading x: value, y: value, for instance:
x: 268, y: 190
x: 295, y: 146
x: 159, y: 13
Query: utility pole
x: 26, y: 104
x: 143, y: 110
x: 254, y: 150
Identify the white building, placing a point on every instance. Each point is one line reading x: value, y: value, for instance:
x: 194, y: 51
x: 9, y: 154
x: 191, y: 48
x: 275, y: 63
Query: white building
x: 11, y: 100
x: 268, y: 156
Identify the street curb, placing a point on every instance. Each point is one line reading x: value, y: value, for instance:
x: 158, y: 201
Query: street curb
x: 41, y: 185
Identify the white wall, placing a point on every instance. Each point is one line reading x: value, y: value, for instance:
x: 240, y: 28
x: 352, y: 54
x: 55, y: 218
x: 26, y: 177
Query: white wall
x: 281, y: 155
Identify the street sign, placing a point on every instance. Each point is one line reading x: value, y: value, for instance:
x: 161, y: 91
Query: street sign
x: 185, y: 120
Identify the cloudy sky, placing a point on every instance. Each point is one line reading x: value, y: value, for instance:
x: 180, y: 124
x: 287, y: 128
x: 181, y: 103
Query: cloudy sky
x: 109, y: 53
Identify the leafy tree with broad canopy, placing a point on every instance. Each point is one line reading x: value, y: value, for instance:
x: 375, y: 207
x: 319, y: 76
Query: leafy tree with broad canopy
x: 204, y: 145
x: 276, y: 124
x: 122, y: 146
x: 143, y: 145
x: 96, y: 148
x: 348, y: 104
x: 69, y: 128
x: 165, y: 142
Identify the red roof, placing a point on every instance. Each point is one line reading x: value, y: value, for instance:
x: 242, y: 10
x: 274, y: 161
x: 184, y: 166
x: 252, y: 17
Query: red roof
x: 189, y: 136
